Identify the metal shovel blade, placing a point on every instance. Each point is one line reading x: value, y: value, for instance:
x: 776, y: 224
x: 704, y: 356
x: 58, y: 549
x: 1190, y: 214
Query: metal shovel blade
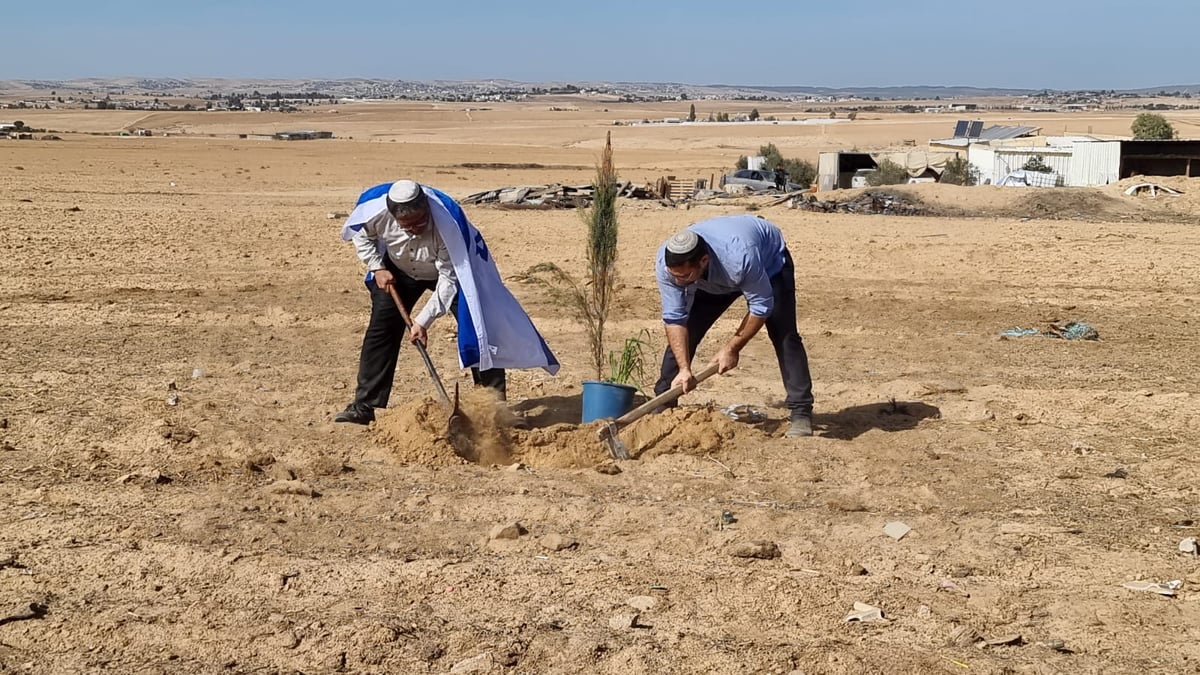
x: 459, y: 431
x: 616, y: 449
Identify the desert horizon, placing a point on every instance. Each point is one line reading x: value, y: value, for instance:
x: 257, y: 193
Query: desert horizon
x: 181, y: 322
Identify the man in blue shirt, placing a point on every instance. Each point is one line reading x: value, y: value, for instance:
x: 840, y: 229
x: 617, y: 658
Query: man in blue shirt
x: 701, y: 271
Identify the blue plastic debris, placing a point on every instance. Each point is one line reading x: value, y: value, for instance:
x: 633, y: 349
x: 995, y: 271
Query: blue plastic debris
x: 1074, y: 330
x: 1066, y: 330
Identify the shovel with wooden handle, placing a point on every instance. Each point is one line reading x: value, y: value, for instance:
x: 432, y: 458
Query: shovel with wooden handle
x: 608, y: 432
x: 458, y: 426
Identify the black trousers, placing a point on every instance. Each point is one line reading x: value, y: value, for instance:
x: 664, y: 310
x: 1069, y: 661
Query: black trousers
x: 385, y: 334
x: 781, y: 328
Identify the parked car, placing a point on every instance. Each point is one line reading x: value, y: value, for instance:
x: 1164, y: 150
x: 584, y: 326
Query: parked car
x: 859, y: 179
x: 756, y: 179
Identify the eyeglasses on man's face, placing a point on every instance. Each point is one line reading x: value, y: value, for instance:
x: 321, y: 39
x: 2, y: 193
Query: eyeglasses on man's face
x: 413, y: 221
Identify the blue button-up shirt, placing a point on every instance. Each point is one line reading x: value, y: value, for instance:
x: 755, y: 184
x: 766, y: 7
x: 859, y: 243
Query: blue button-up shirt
x: 744, y: 253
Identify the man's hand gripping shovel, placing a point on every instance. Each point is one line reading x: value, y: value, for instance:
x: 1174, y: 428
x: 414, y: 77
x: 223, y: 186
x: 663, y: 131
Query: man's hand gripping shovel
x: 608, y: 432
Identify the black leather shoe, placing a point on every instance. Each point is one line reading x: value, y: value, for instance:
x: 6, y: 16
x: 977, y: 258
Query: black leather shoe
x: 356, y: 413
x: 800, y: 427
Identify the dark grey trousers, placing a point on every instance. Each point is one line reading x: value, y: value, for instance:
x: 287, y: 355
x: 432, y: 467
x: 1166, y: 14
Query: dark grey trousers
x: 385, y: 334
x: 781, y: 328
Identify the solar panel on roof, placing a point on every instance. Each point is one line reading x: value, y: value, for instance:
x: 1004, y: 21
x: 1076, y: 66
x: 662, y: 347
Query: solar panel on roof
x: 960, y: 128
x: 975, y: 129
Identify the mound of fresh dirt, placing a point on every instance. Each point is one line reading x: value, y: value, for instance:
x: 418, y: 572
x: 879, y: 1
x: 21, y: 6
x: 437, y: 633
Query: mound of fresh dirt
x: 417, y: 434
x: 1100, y: 204
x: 1071, y: 204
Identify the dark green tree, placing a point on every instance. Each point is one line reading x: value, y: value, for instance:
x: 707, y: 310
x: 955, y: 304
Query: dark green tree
x: 1152, y: 126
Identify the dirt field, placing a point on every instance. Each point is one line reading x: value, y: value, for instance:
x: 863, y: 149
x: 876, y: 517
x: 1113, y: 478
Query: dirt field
x: 241, y: 530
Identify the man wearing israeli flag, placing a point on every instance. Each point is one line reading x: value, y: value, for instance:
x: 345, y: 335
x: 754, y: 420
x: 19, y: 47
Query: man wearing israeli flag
x: 414, y: 238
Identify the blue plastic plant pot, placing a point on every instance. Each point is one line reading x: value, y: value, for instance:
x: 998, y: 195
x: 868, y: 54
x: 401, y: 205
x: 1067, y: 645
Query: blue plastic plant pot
x: 606, y: 399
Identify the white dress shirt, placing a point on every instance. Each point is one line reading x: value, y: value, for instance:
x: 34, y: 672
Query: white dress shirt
x: 421, y: 256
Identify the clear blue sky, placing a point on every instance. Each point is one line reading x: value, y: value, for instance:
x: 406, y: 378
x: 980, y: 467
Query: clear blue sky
x: 1051, y: 43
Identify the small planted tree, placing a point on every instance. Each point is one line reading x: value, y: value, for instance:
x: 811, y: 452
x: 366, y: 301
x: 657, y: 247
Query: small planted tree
x: 1152, y: 126
x: 591, y: 299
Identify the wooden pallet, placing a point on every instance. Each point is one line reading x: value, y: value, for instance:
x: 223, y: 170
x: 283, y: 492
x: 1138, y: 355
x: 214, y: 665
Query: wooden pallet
x: 678, y: 189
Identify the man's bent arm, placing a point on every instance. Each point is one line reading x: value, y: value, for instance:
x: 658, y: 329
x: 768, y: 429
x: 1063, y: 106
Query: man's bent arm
x: 747, y: 329
x: 677, y: 339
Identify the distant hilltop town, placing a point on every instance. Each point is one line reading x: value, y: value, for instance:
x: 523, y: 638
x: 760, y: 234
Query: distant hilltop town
x: 291, y: 94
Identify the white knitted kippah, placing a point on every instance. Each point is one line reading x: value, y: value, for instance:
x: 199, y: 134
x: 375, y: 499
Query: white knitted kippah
x: 683, y: 243
x: 404, y: 191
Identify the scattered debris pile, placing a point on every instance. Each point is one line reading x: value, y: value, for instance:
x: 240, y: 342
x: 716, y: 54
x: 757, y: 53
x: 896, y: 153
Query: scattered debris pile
x: 668, y: 190
x: 556, y: 196
x: 870, y: 202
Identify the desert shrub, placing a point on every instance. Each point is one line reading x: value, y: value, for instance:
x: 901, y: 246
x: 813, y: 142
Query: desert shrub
x: 889, y: 173
x: 1038, y: 163
x: 801, y: 172
x: 959, y: 171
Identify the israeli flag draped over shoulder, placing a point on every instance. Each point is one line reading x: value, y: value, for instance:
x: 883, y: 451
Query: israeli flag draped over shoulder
x: 493, y: 329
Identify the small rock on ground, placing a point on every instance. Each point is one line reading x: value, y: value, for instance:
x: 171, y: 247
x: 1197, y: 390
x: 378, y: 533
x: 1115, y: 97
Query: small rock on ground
x: 557, y: 542
x: 481, y: 663
x: 762, y: 550
x: 623, y: 621
x: 507, y: 531
x: 642, y: 603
